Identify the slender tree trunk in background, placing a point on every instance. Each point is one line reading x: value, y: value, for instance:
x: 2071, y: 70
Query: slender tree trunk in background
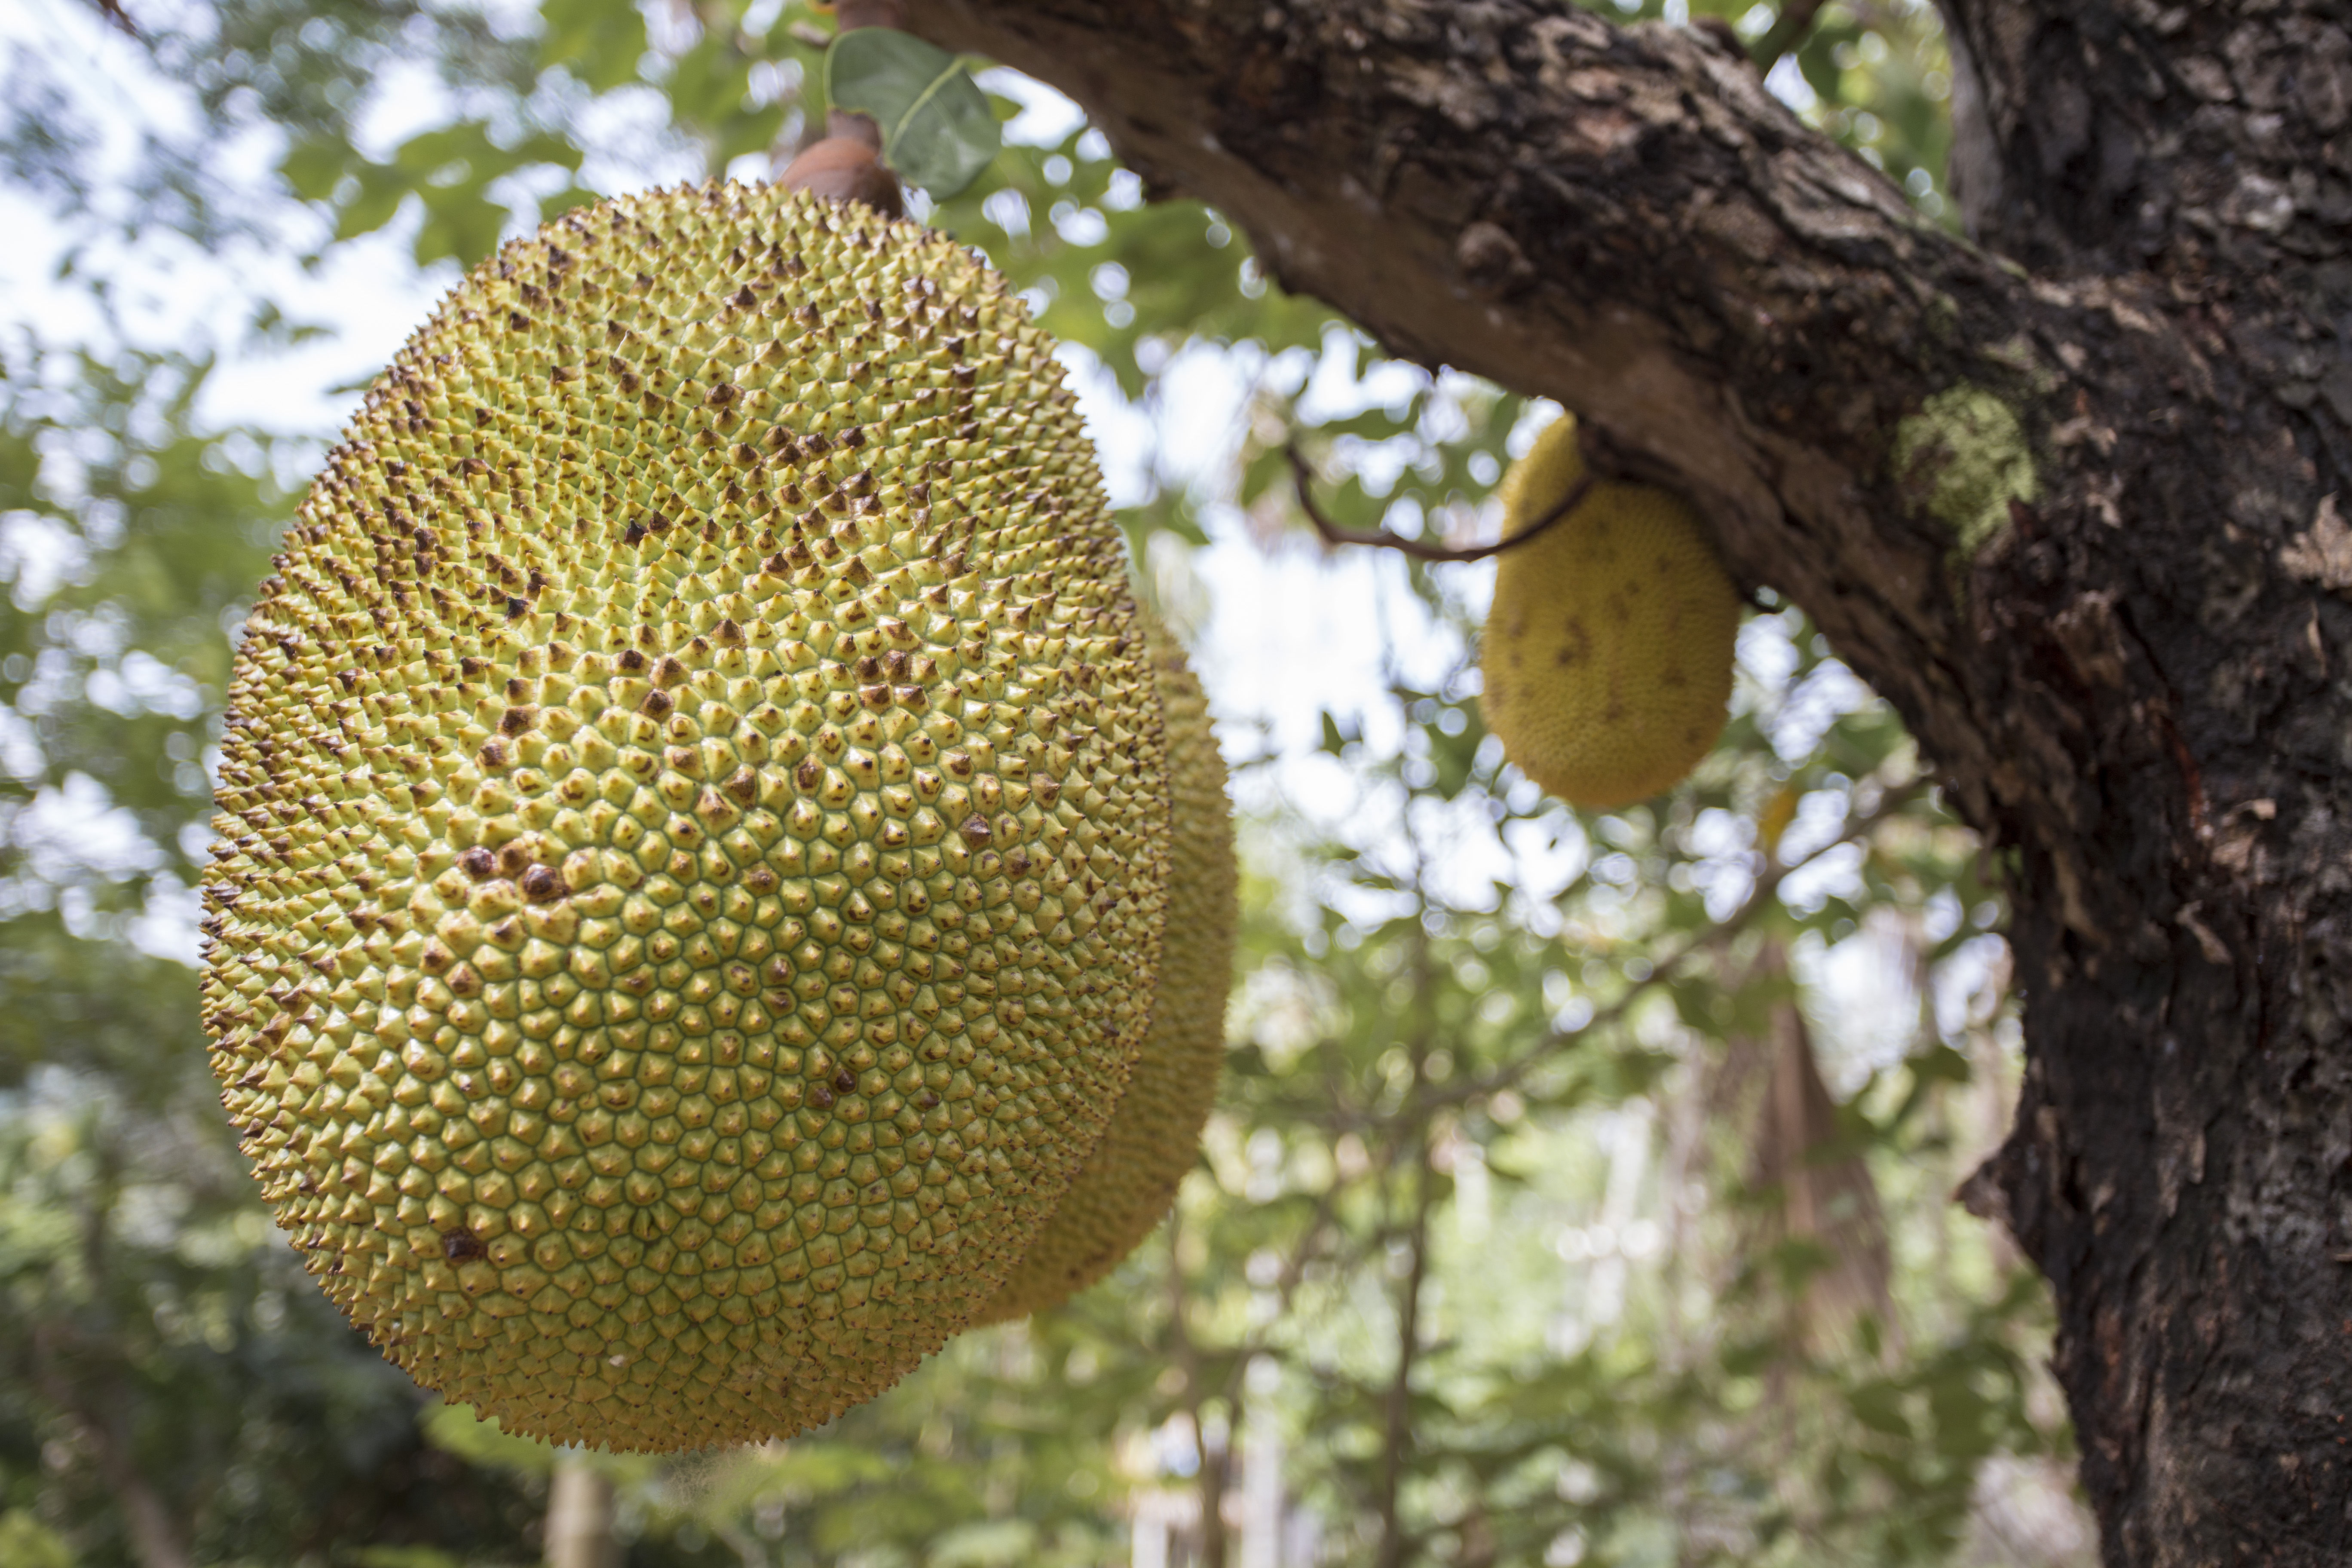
x: 2067, y: 497
x: 1215, y: 1467
x: 580, y: 1510
x: 1831, y: 1203
x: 1412, y: 1156
x: 1216, y: 1481
x: 1396, y: 1446
x: 157, y: 1534
x: 159, y: 1537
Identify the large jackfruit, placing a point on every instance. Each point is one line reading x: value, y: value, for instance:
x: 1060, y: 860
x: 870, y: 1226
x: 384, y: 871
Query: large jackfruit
x: 1608, y: 651
x: 1155, y: 1135
x: 694, y: 823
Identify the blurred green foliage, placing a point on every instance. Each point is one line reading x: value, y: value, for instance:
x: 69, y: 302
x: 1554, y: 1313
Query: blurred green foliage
x: 1488, y: 1260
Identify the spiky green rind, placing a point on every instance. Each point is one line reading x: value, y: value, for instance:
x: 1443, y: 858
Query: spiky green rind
x: 1155, y: 1135
x: 694, y: 824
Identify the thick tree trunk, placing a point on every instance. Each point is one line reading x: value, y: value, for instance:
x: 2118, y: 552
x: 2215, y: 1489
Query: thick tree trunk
x: 2078, y: 523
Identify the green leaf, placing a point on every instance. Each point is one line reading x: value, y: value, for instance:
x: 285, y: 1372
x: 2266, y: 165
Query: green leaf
x: 427, y: 152
x: 600, y: 40
x: 937, y: 130
x: 1879, y: 1407
x: 381, y: 193
x: 314, y: 168
x: 27, y: 1541
x: 552, y: 208
x: 459, y: 224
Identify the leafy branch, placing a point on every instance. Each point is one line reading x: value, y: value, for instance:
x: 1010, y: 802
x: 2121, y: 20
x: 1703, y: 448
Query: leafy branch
x: 1713, y: 938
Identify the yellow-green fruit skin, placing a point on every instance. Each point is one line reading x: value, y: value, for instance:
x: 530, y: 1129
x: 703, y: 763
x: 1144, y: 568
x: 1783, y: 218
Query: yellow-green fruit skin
x: 694, y: 824
x: 1607, y: 652
x: 1155, y: 1135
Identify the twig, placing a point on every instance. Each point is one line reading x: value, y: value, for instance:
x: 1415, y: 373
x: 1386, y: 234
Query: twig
x: 1381, y: 539
x: 1790, y: 29
x: 113, y: 12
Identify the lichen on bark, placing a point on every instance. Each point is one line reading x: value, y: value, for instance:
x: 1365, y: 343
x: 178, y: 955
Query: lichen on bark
x: 1965, y: 457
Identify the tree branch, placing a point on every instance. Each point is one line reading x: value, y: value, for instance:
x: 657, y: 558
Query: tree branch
x: 1788, y: 30
x: 1625, y: 220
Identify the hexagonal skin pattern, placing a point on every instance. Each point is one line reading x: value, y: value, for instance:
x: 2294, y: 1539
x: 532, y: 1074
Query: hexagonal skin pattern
x: 1608, y: 650
x: 694, y: 824
x: 1154, y: 1137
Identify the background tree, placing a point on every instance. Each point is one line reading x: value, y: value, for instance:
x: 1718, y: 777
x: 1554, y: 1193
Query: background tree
x: 2070, y: 523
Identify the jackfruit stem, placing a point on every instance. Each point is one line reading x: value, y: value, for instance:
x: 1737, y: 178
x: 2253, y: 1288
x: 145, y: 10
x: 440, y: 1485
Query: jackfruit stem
x: 1303, y: 479
x: 871, y: 14
x: 846, y: 164
x: 848, y: 125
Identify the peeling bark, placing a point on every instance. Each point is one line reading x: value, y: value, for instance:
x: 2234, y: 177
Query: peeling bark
x: 2066, y: 497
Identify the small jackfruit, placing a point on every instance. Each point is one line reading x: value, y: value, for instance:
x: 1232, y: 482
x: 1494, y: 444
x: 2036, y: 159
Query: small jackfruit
x: 1155, y: 1135
x: 1607, y: 652
x: 694, y: 824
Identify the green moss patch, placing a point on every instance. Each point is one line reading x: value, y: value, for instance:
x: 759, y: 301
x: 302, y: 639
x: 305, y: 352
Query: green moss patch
x: 1963, y: 458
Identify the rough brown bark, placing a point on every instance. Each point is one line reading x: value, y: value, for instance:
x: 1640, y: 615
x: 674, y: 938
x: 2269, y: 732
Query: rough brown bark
x: 2132, y: 675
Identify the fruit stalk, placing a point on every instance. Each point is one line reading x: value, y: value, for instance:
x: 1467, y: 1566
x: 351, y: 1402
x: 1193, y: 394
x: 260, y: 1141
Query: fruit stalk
x: 846, y: 164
